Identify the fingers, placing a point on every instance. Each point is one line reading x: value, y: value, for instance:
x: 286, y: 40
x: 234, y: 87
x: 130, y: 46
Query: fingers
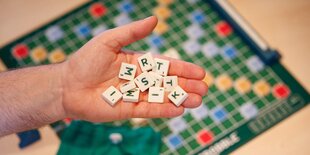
x: 190, y: 86
x: 147, y: 110
x: 192, y: 101
x: 195, y: 89
x: 184, y: 69
x: 193, y: 86
x: 119, y: 37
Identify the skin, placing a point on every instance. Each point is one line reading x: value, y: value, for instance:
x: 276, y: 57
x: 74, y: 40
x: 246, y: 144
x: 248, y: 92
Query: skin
x: 36, y: 96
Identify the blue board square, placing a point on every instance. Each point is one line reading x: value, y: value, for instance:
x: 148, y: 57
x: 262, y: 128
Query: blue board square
x: 191, y: 47
x: 210, y: 49
x: 229, y: 52
x: 218, y: 114
x: 156, y: 41
x: 174, y: 141
x: 83, y: 30
x: 54, y: 33
x: 177, y: 124
x: 122, y: 19
x: 99, y: 29
x: 126, y: 7
x: 255, y: 64
x: 248, y: 110
x: 194, y: 31
x: 198, y: 17
x: 200, y: 112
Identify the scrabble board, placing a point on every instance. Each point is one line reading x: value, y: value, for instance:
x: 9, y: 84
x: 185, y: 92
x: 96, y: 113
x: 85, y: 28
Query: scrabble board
x: 249, y: 90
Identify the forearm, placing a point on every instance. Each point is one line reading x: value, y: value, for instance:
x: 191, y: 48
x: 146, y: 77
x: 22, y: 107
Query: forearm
x: 30, y: 98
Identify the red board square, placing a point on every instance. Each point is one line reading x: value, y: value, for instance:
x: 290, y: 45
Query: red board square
x: 281, y: 91
x: 97, y: 10
x: 204, y: 137
x: 223, y: 29
x: 20, y: 51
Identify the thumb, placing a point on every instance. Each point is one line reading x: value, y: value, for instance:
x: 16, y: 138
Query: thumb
x: 119, y: 37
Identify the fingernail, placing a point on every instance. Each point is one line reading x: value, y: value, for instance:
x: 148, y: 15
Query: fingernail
x: 148, y: 18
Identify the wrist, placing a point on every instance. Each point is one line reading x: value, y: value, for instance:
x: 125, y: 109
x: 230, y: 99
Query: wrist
x: 58, y: 74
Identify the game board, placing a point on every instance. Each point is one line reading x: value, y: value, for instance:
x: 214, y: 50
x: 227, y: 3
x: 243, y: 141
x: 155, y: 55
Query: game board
x: 249, y: 90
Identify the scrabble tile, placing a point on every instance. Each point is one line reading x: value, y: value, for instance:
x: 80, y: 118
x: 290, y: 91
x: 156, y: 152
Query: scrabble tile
x: 97, y: 10
x: 204, y: 137
x: 20, y: 51
x: 122, y: 19
x: 261, y: 88
x: 126, y: 7
x: 99, y: 29
x: 200, y: 112
x: 161, y: 27
x: 194, y: 31
x: 281, y: 91
x: 162, y: 12
x: 161, y: 66
x: 191, y: 47
x: 243, y: 85
x: 223, y: 29
x: 170, y: 82
x: 112, y: 95
x: 144, y: 81
x: 146, y: 62
x: 218, y: 114
x: 131, y: 95
x: 127, y: 71
x: 178, y: 96
x: 138, y: 121
x: 248, y: 110
x: 127, y: 86
x: 82, y: 30
x: 56, y: 56
x: 177, y: 124
x: 208, y: 79
x: 158, y: 80
x: 172, y: 53
x: 38, y: 54
x: 210, y: 49
x: 2, y: 66
x: 54, y: 33
x: 198, y: 17
x: 229, y: 52
x: 156, y: 94
x: 174, y: 141
x: 155, y: 41
x: 255, y: 64
x: 223, y: 82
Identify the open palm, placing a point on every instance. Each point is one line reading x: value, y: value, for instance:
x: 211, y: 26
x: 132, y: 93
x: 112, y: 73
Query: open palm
x: 95, y: 67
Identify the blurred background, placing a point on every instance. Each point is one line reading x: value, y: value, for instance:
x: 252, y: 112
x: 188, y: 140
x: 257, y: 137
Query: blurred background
x: 284, y: 24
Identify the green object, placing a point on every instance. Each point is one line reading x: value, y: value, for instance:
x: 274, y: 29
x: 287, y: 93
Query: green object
x: 89, y: 139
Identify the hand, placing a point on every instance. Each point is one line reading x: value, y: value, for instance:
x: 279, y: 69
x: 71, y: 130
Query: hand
x: 95, y: 67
